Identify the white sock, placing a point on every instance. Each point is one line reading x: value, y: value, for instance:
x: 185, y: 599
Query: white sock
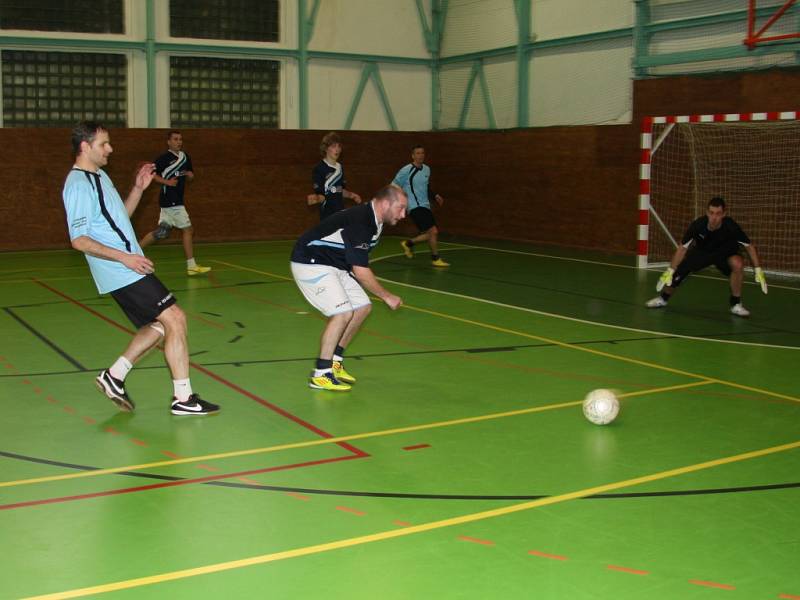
x: 190, y: 263
x: 337, y: 358
x: 321, y: 372
x: 183, y: 389
x: 121, y: 368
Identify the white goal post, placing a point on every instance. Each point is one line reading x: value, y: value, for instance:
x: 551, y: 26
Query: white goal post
x: 750, y: 159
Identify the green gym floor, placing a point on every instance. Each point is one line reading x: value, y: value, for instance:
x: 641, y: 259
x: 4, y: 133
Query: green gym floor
x: 459, y: 466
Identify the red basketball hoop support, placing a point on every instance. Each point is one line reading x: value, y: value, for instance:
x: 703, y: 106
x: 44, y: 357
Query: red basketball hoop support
x: 754, y: 38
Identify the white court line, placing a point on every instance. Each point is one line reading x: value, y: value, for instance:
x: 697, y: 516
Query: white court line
x: 575, y: 319
x: 582, y: 260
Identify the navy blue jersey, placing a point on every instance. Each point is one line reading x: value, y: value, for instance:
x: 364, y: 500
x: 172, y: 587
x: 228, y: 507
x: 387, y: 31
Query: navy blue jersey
x: 343, y: 240
x: 173, y: 166
x: 727, y: 235
x: 329, y: 181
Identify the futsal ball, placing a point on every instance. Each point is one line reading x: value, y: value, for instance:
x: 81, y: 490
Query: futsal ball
x: 601, y: 407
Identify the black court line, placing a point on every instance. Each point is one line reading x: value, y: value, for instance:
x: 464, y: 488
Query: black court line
x: 74, y: 362
x: 406, y: 496
x: 477, y: 350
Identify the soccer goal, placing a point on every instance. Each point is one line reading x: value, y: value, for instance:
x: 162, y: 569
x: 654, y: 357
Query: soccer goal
x: 750, y: 159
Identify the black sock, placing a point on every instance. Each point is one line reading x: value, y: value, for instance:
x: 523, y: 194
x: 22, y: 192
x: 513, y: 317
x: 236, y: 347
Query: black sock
x: 338, y: 354
x: 434, y: 257
x: 409, y: 243
x: 665, y: 296
x: 735, y: 300
x: 324, y: 364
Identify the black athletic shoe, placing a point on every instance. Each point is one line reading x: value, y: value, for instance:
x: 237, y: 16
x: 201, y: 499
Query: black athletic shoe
x: 194, y: 406
x: 114, y: 389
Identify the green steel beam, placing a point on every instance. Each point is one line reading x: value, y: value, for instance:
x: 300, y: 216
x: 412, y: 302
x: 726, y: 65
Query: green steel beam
x: 611, y: 34
x: 387, y: 109
x: 303, y: 37
x: 462, y: 119
x: 348, y: 56
x: 487, y: 98
x: 641, y: 37
x: 150, y: 58
x: 478, y: 74
x: 50, y: 43
x: 737, y: 16
x: 523, y: 10
x: 426, y: 30
x: 438, y: 18
x: 370, y: 71
x: 691, y: 56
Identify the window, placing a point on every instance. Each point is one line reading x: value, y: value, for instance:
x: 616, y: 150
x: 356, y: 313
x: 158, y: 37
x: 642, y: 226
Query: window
x: 219, y: 92
x: 82, y: 16
x: 58, y: 89
x: 247, y: 20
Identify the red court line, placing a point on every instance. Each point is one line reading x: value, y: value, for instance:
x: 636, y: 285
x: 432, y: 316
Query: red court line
x: 627, y: 570
x: 712, y: 584
x: 401, y: 523
x: 546, y: 555
x: 166, y: 484
x: 789, y: 597
x: 467, y: 538
x: 354, y: 511
x: 416, y: 447
x: 214, y: 376
x: 298, y: 496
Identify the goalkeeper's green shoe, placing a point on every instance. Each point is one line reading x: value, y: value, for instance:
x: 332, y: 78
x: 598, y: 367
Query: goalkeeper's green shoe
x: 341, y: 374
x: 327, y: 382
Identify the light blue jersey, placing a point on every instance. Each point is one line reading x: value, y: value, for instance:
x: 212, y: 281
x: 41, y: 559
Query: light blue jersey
x: 414, y: 182
x: 95, y: 209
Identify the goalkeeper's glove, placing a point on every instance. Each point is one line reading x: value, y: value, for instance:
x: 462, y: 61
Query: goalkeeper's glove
x: 665, y: 279
x: 761, y: 280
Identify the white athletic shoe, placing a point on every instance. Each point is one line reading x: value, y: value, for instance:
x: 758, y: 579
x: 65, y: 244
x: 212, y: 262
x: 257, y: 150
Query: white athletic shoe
x: 739, y: 310
x: 657, y: 302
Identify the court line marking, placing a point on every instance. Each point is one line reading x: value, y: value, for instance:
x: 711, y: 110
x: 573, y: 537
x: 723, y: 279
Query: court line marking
x: 531, y: 310
x: 634, y: 361
x: 414, y: 529
x: 549, y: 340
x: 335, y: 440
x: 593, y: 262
x: 587, y: 322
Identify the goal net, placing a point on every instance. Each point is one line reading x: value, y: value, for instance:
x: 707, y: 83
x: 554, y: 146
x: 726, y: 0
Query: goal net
x: 751, y: 160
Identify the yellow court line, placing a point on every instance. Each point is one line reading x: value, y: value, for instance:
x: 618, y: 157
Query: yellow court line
x: 396, y: 533
x: 531, y: 336
x: 635, y: 361
x: 335, y: 440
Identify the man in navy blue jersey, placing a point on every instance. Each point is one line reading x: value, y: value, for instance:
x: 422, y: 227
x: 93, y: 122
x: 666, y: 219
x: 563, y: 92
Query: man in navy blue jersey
x: 327, y: 179
x: 414, y: 178
x: 714, y: 239
x: 330, y: 263
x: 100, y: 227
x: 173, y: 170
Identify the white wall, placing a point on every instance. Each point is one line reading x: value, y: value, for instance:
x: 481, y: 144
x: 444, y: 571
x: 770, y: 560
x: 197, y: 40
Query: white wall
x: 376, y: 27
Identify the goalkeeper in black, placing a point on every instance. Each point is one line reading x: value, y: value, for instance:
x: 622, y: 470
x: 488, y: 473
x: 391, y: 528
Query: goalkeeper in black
x: 714, y: 239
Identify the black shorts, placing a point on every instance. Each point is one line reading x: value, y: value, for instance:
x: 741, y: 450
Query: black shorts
x: 423, y: 218
x: 143, y: 300
x: 698, y: 260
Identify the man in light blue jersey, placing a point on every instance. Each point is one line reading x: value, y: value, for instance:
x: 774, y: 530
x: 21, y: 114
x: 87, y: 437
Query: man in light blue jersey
x: 100, y: 227
x: 414, y: 179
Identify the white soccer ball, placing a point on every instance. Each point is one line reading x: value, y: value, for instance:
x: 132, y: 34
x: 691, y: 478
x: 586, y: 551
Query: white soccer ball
x: 601, y: 407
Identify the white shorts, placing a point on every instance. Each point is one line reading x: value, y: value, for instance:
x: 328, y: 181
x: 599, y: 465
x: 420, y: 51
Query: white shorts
x: 328, y: 289
x: 175, y: 216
